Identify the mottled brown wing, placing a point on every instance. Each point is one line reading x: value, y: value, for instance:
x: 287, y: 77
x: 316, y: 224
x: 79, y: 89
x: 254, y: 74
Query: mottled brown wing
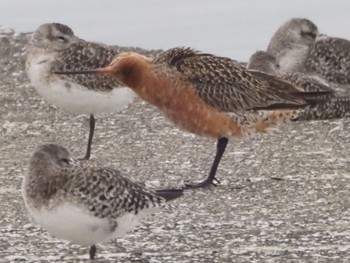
x: 227, y: 86
x: 86, y: 55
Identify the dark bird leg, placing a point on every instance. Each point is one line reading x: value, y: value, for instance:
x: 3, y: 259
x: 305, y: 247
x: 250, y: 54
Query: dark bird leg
x: 220, y: 149
x: 91, y: 135
x: 92, y: 251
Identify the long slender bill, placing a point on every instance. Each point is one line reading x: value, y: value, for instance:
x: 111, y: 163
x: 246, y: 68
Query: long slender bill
x: 105, y: 70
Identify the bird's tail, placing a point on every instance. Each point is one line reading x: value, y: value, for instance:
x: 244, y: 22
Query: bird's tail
x: 288, y: 95
x: 268, y: 121
x: 310, y: 98
x: 263, y: 122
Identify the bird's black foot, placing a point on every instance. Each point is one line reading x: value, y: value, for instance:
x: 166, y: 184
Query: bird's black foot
x: 277, y: 178
x: 211, y: 180
x: 91, y: 135
x: 204, y: 184
x: 86, y: 157
x: 92, y: 252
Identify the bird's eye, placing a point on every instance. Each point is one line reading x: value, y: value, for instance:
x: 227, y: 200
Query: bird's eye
x: 61, y: 39
x: 65, y: 161
x: 308, y: 34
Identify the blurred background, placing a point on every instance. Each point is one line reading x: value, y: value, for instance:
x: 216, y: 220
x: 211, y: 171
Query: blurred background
x: 225, y: 27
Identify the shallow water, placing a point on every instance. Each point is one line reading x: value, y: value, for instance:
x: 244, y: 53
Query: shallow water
x: 230, y: 28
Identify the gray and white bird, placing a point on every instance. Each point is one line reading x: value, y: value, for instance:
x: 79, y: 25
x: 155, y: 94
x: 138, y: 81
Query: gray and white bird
x: 83, y: 203
x: 298, y: 47
x: 55, y: 47
x: 291, y: 43
x: 336, y: 106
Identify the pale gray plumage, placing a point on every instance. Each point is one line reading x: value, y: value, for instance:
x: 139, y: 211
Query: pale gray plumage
x: 313, y: 53
x: 264, y: 62
x: 291, y: 42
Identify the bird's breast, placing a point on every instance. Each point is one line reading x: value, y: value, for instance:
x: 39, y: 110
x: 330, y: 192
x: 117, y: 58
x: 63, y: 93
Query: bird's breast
x: 181, y: 105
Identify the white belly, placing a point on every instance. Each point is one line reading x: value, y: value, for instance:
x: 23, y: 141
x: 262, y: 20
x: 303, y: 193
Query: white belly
x: 74, y: 224
x: 74, y: 97
x: 70, y: 223
x: 292, y: 60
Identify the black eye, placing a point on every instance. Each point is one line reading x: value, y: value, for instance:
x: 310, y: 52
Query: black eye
x: 308, y: 34
x: 65, y: 161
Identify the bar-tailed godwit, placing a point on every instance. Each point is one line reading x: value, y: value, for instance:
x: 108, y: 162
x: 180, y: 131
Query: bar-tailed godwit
x: 208, y: 95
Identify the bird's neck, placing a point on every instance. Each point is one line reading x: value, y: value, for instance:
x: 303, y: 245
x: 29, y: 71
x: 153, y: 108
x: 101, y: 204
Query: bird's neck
x: 147, y: 83
x: 41, y: 184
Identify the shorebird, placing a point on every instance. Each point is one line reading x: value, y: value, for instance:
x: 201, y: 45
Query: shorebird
x: 85, y: 204
x: 267, y: 63
x: 207, y: 95
x: 337, y: 106
x: 329, y: 58
x: 55, y: 47
x: 291, y: 43
x: 311, y: 52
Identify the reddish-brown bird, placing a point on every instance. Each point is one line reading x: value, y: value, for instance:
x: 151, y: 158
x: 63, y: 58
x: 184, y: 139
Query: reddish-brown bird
x: 208, y: 95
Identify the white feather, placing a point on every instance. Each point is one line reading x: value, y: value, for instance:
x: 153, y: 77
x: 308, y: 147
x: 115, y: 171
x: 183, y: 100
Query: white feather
x: 72, y: 96
x: 73, y: 223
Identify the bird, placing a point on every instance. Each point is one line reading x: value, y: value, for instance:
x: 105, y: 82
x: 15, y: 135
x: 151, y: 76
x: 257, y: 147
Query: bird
x: 291, y: 43
x: 263, y: 62
x: 299, y: 47
x: 54, y: 46
x: 207, y: 95
x: 337, y: 106
x: 83, y: 203
x: 329, y: 57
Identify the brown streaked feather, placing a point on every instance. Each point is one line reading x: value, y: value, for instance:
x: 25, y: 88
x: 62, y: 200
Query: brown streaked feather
x: 311, y: 96
x: 227, y: 86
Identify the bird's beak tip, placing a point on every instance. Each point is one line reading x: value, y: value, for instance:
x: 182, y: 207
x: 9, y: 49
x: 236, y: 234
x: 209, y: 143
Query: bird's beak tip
x: 105, y: 70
